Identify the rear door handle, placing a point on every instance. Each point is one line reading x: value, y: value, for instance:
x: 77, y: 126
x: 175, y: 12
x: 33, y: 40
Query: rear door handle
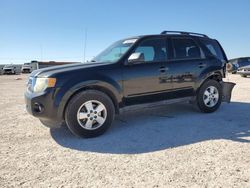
x: 201, y: 65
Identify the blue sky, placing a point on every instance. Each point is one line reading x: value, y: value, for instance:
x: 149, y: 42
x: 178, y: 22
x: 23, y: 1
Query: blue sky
x: 55, y: 29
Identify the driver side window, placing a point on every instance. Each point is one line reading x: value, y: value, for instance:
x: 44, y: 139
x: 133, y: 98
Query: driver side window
x: 147, y: 51
x: 153, y: 50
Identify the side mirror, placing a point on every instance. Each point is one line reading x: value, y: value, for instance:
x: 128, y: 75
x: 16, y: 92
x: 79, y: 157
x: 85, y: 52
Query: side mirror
x: 136, y: 57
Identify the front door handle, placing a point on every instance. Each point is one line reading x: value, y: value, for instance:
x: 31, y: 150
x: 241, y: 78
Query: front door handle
x: 163, y: 69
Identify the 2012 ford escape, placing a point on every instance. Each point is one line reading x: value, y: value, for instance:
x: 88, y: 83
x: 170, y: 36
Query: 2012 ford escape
x: 136, y: 70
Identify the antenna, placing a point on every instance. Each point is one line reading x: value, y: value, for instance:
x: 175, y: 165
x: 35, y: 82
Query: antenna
x: 85, y: 45
x: 41, y: 51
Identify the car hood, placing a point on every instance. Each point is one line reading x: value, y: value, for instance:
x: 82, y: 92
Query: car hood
x: 46, y: 72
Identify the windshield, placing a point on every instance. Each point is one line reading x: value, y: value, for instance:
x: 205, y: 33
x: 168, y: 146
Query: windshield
x: 8, y: 66
x: 115, y: 51
x: 244, y: 60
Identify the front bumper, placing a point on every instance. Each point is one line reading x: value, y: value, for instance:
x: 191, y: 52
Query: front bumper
x: 26, y: 71
x: 42, y: 106
x: 8, y: 71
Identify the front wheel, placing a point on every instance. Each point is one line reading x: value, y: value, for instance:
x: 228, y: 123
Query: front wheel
x: 89, y: 113
x: 209, y: 96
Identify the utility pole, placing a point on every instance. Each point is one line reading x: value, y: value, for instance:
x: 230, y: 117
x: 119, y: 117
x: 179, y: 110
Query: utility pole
x: 85, y: 45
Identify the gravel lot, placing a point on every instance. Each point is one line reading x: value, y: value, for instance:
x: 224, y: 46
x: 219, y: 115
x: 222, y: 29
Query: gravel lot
x: 171, y: 146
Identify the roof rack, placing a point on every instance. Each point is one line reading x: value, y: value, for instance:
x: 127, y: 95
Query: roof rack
x: 183, y: 33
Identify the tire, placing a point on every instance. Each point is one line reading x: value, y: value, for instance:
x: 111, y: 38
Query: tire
x: 86, y: 121
x: 243, y: 75
x: 207, y: 100
x: 46, y: 124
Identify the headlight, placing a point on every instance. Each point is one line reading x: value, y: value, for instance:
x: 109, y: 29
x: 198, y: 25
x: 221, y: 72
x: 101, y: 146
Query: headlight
x: 40, y: 84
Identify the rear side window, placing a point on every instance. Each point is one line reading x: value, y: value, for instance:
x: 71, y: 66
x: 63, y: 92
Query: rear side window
x: 185, y: 48
x: 214, y: 48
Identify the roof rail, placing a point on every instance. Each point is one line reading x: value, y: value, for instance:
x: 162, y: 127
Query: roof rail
x: 183, y: 33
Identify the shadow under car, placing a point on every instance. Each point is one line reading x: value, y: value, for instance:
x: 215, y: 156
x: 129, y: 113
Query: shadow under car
x: 163, y: 127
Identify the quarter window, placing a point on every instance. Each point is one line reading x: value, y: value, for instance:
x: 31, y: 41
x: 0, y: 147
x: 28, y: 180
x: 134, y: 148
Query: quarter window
x: 185, y: 48
x: 214, y: 48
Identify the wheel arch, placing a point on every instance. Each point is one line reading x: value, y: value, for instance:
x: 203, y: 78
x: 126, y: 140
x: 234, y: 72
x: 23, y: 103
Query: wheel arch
x: 106, y: 88
x: 217, y: 76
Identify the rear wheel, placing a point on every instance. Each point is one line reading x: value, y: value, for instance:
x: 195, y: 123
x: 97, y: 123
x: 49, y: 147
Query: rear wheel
x: 209, y: 96
x: 89, y: 113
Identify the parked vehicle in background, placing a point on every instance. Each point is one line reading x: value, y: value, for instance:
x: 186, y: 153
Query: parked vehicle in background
x: 29, y: 67
x: 171, y: 66
x: 12, y: 69
x: 9, y: 69
x: 235, y: 64
x: 244, y: 71
x: 26, y: 68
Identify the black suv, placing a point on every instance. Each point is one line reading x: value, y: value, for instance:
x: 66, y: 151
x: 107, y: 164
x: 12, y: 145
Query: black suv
x: 138, y: 70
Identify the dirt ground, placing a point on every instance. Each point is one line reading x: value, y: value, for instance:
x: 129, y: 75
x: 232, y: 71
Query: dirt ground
x: 170, y: 146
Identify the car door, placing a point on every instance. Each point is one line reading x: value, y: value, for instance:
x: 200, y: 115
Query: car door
x: 142, y: 80
x: 185, y: 65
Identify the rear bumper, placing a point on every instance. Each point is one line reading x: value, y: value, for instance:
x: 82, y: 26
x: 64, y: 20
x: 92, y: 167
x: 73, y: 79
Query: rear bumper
x: 42, y: 107
x: 227, y: 88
